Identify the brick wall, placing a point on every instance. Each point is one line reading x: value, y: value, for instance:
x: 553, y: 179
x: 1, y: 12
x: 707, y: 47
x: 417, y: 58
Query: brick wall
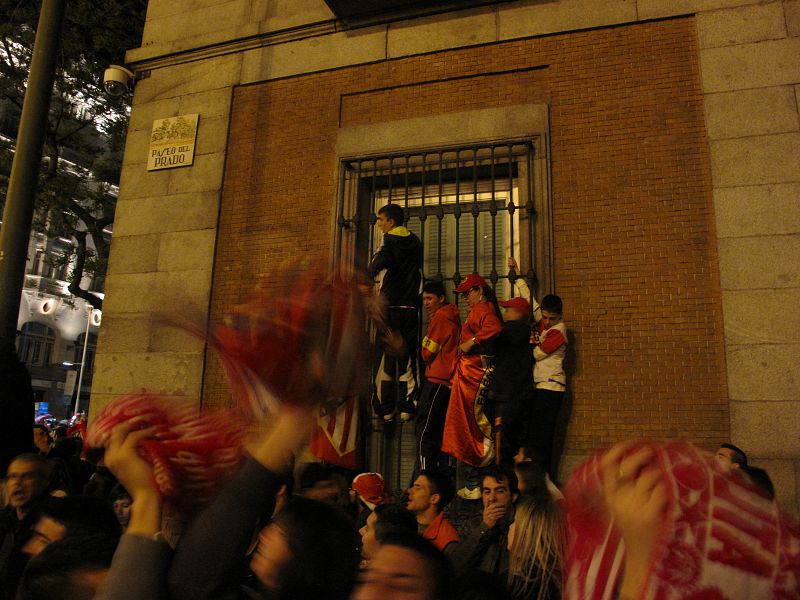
x: 635, y: 246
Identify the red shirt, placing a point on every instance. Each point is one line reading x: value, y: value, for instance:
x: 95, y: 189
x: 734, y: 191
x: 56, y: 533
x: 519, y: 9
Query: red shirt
x: 440, y: 532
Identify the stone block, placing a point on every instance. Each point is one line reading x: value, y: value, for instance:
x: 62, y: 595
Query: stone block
x: 746, y: 66
x: 166, y: 337
x: 98, y: 401
x: 144, y: 113
x: 178, y: 212
x: 653, y: 9
x: 134, y: 254
x: 752, y: 23
x: 205, y: 174
x: 161, y: 10
x: 756, y: 160
x: 490, y: 123
x: 216, y: 73
x: 124, y: 332
x: 537, y: 18
x: 757, y: 210
x: 212, y: 135
x: 206, y: 19
x: 276, y: 15
x: 182, y: 292
x: 783, y: 475
x: 215, y: 103
x: 178, y: 292
x: 760, y: 262
x: 440, y: 32
x: 129, y: 292
x: 792, y: 10
x: 761, y: 316
x: 766, y: 428
x: 751, y: 112
x: 137, y: 147
x: 314, y: 54
x: 763, y: 371
x: 137, y: 182
x: 177, y: 373
x: 187, y: 250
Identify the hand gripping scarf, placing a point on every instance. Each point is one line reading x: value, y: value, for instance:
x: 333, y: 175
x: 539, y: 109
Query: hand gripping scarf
x: 301, y: 347
x: 720, y: 539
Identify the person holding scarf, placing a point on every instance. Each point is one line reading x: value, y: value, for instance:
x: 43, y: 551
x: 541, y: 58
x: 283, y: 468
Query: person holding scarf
x: 467, y: 431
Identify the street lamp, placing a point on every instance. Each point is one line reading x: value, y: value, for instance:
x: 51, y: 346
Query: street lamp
x: 93, y: 317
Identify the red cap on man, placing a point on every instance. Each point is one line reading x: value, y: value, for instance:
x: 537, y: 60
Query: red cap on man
x: 370, y: 488
x: 472, y: 280
x: 519, y: 303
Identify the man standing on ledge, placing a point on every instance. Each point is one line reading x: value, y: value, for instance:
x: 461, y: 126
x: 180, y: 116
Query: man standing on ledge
x: 397, y: 266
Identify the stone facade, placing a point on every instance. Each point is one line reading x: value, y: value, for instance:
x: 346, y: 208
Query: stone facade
x: 675, y: 181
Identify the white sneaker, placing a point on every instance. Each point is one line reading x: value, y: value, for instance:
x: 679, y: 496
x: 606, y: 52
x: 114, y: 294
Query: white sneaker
x: 469, y: 494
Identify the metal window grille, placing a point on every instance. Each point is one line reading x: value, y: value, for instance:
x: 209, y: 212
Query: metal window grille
x: 472, y: 207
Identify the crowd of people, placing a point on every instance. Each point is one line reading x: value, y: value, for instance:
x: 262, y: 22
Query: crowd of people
x: 636, y: 521
x: 268, y: 534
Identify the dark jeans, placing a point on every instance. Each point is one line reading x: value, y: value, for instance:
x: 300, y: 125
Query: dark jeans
x: 431, y: 413
x: 542, y: 427
x: 508, y: 408
x: 396, y: 380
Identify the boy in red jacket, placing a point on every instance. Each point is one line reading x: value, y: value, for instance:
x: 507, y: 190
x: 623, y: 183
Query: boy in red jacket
x: 438, y: 352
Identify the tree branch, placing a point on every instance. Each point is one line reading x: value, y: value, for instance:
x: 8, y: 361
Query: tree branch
x: 77, y: 272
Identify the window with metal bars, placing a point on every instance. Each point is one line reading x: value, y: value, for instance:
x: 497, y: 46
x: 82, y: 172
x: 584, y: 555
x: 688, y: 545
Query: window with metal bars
x: 472, y: 207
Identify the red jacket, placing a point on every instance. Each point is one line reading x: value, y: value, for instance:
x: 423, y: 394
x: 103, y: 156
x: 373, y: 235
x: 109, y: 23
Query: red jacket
x: 440, y: 344
x: 440, y: 532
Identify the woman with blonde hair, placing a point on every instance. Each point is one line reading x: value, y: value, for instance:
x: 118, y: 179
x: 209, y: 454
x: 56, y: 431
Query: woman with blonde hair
x: 536, y: 545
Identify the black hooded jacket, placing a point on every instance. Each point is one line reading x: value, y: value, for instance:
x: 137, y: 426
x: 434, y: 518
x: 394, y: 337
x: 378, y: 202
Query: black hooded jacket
x: 400, y: 258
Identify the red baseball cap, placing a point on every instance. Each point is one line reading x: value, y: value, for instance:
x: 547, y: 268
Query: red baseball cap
x: 472, y: 280
x: 519, y: 303
x: 370, y: 488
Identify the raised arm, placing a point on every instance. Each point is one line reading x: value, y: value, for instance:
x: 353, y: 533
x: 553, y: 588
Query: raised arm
x: 523, y: 289
x: 209, y: 557
x: 138, y: 571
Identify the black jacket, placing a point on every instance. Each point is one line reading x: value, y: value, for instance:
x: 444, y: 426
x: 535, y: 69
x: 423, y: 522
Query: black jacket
x: 513, y: 360
x: 400, y: 257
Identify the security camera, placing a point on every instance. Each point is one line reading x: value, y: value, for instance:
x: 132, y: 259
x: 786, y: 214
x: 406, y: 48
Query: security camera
x: 117, y: 80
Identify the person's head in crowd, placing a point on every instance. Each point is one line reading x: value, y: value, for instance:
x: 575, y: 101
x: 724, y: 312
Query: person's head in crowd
x: 121, y: 502
x: 480, y: 585
x: 27, y: 479
x: 531, y: 478
x: 307, y: 551
x: 60, y: 518
x: 552, y: 310
x: 406, y: 567
x: 317, y: 482
x: 390, y: 216
x: 499, y: 485
x: 516, y: 309
x: 69, y: 569
x: 41, y: 438
x: 429, y: 495
x: 369, y: 489
x: 434, y: 296
x: 761, y: 478
x: 731, y: 457
x: 60, y: 432
x: 537, y: 544
x: 385, y: 519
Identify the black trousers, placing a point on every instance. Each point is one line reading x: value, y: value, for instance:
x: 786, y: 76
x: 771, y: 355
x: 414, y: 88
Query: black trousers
x: 396, y: 380
x: 431, y: 414
x: 508, y: 407
x: 543, y: 417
